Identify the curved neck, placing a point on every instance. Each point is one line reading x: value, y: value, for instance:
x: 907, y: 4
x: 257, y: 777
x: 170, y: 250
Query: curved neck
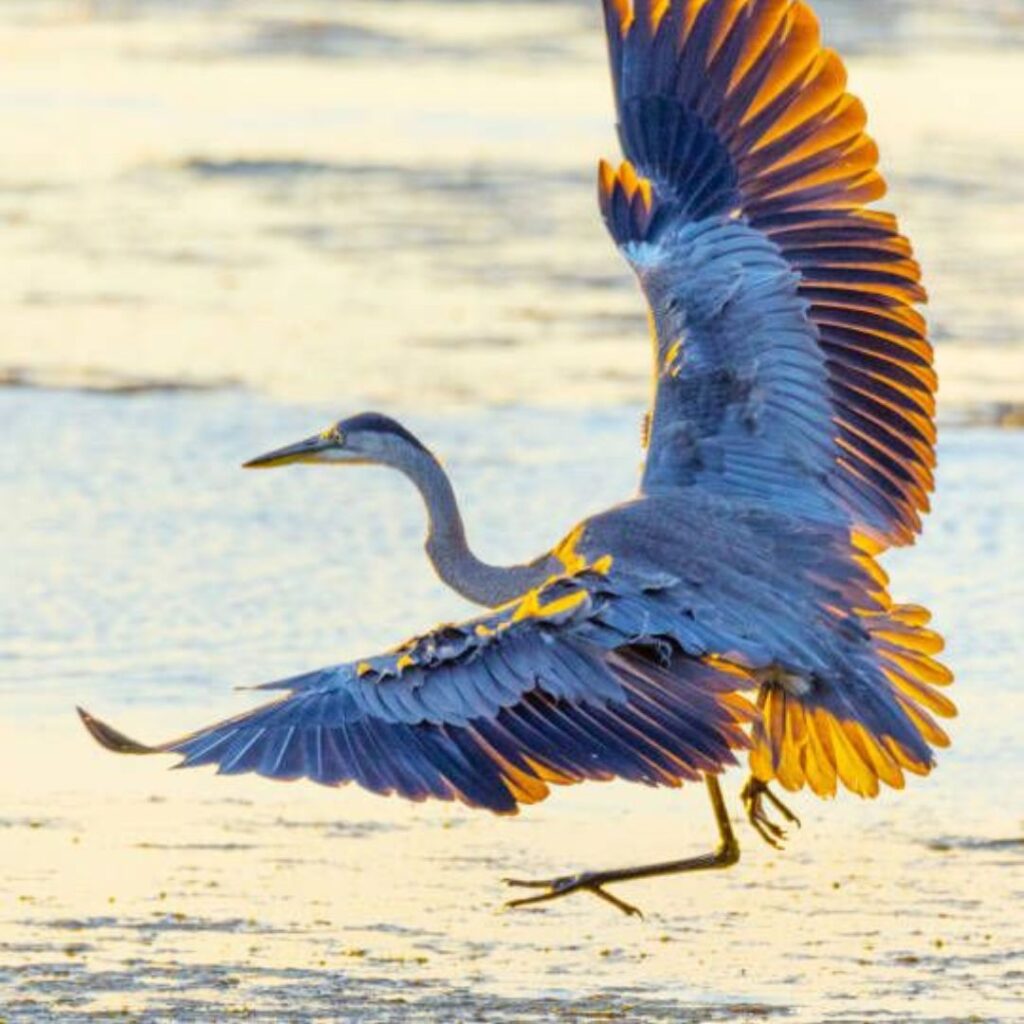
x: 448, y: 550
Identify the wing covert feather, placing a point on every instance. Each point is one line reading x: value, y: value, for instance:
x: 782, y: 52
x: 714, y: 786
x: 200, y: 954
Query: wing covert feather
x: 551, y: 689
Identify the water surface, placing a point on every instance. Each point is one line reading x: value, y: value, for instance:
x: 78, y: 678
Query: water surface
x: 394, y: 202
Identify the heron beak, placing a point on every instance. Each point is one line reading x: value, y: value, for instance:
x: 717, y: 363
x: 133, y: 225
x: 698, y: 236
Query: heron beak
x: 310, y: 450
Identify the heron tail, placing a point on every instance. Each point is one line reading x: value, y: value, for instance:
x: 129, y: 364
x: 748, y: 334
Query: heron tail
x: 869, y: 732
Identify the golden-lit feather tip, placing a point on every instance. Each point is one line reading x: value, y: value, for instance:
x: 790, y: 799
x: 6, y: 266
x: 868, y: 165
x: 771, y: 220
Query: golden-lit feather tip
x: 818, y: 742
x: 619, y: 14
x: 627, y: 202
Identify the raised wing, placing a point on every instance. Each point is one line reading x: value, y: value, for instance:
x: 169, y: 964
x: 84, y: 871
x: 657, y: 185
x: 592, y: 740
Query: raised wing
x: 792, y: 364
x: 552, y: 689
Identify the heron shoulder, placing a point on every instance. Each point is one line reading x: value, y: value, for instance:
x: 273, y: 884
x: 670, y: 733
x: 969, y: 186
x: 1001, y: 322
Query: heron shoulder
x: 674, y: 529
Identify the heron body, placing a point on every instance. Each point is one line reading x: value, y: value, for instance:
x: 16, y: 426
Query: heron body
x: 736, y: 603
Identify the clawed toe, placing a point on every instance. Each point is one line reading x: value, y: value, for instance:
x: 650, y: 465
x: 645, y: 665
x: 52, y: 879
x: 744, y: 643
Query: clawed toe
x: 594, y: 882
x: 754, y: 794
x: 774, y: 836
x: 782, y: 808
x: 556, y: 888
x: 528, y: 883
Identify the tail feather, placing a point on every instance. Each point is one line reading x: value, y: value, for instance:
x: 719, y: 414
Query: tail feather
x: 865, y: 737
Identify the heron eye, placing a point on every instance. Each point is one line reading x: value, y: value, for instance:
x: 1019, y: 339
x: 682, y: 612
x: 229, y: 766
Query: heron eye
x: 332, y: 434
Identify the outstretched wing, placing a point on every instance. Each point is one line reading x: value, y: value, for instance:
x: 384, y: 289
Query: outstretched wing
x: 552, y: 689
x: 792, y: 364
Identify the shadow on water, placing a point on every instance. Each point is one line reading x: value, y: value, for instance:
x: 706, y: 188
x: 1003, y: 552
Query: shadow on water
x: 456, y: 178
x: 326, y: 39
x: 212, y: 991
x: 89, y: 380
x: 1013, y: 844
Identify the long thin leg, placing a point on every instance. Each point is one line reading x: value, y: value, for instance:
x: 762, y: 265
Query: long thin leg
x: 727, y: 854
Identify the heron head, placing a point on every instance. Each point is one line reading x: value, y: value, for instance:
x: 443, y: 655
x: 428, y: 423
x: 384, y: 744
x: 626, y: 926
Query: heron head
x: 365, y: 439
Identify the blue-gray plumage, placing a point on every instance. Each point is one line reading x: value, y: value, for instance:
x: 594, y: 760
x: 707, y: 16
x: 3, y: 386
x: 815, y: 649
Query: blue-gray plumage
x: 790, y: 441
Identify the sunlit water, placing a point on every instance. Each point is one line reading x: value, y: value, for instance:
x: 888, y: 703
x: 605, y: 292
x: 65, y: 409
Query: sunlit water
x: 335, y: 206
x: 395, y: 201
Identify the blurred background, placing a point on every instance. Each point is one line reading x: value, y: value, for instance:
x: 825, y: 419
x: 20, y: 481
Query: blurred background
x: 392, y: 201
x: 223, y: 224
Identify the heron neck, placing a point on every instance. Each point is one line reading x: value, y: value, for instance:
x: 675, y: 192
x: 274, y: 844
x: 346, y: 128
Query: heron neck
x: 449, y: 551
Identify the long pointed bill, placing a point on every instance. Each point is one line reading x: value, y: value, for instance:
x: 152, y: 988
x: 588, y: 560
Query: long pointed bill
x: 310, y: 450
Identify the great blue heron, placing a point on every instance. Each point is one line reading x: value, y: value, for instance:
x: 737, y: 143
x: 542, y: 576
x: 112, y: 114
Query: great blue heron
x: 791, y: 441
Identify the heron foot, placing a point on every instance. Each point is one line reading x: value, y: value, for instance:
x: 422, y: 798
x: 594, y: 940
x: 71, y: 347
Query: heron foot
x: 594, y: 882
x: 556, y: 888
x: 755, y: 792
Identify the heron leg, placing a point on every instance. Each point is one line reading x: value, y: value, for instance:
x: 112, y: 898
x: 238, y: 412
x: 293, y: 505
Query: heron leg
x: 755, y: 792
x: 594, y: 882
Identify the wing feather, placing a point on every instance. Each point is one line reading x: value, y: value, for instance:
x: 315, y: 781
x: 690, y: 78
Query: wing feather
x: 492, y: 711
x: 739, y: 120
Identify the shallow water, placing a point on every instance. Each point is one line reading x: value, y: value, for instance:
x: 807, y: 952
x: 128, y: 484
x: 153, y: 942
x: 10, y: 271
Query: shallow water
x: 149, y: 575
x: 394, y: 202
x: 226, y: 224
